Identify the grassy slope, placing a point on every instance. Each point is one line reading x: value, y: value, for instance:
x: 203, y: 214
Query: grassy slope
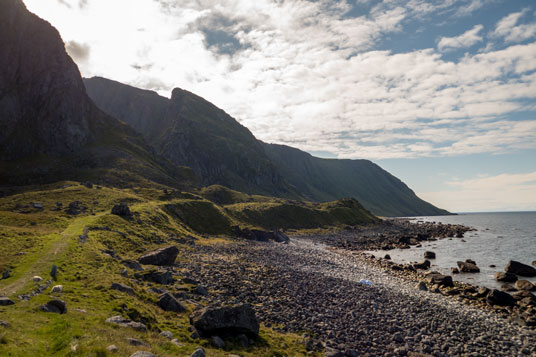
x: 34, y: 239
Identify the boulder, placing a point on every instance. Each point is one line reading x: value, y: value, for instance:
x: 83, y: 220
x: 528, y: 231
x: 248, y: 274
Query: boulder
x: 162, y: 256
x: 421, y: 286
x: 520, y: 269
x: 470, y: 261
x: 199, y: 352
x: 508, y: 287
x: 142, y: 354
x: 429, y: 255
x: 200, y: 290
x: 57, y: 289
x: 454, y: 270
x: 122, y: 288
x: 422, y: 265
x: 497, y: 297
x: 468, y: 267
x: 121, y: 321
x: 439, y: 279
x: 524, y: 285
x: 159, y: 276
x: 5, y: 301
x: 506, y: 277
x: 56, y: 306
x: 387, y: 257
x: 135, y: 342
x: 132, y: 264
x: 218, y: 342
x: 4, y: 324
x: 228, y: 320
x: 521, y: 294
x: 167, y: 334
x: 112, y: 348
x: 121, y: 210
x: 37, y: 279
x: 281, y: 237
x: 168, y: 303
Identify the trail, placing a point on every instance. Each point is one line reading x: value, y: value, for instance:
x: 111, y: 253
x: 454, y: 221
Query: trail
x: 43, y: 264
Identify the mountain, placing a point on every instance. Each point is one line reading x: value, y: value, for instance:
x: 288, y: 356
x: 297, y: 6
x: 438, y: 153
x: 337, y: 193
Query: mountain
x: 190, y: 131
x: 49, y: 128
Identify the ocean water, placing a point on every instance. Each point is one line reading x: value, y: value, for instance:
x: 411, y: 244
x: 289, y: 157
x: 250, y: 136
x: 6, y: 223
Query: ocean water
x: 500, y: 237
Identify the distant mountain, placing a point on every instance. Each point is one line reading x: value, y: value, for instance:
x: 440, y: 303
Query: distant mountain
x: 190, y: 131
x: 49, y: 128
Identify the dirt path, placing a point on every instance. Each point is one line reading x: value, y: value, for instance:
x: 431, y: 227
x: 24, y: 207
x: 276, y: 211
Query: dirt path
x: 42, y: 265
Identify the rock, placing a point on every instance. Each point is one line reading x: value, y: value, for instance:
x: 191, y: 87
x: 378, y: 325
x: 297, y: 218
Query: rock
x: 37, y: 279
x: 387, y: 257
x: 218, y: 342
x: 4, y: 324
x: 162, y: 256
x: 231, y: 320
x: 521, y: 294
x: 167, y: 334
x: 88, y: 184
x: 421, y: 286
x: 122, y: 288
x: 440, y: 279
x: 520, y: 269
x: 6, y: 274
x: 168, y: 303
x: 142, y: 354
x: 135, y: 342
x: 483, y: 291
x: 121, y: 210
x: 199, y: 352
x: 281, y: 237
x: 470, y: 261
x: 5, y: 301
x: 534, y: 263
x: 524, y: 285
x: 112, y: 348
x: 397, y: 337
x: 422, y: 265
x: 244, y: 340
x: 200, y: 290
x: 454, y: 270
x: 121, y: 321
x: 505, y: 277
x: 37, y: 205
x: 75, y: 208
x: 57, y: 289
x: 429, y: 255
x: 159, y: 277
x: 497, y: 297
x: 508, y: 287
x: 467, y: 267
x: 190, y: 281
x: 132, y: 264
x: 56, y: 306
x: 54, y: 272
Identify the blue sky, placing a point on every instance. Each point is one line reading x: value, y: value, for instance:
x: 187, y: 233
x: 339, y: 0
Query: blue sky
x: 440, y: 93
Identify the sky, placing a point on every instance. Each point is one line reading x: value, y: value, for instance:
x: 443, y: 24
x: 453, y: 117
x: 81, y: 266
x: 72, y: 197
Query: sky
x: 441, y: 93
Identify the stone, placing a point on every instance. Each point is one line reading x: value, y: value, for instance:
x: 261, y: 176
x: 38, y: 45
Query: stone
x: 88, y: 184
x: 281, y: 237
x: 454, y: 270
x: 37, y: 279
x: 142, y: 354
x: 468, y: 267
x: 244, y: 340
x: 37, y: 205
x: 524, y: 285
x: 218, y: 342
x: 122, y: 288
x: 508, y: 287
x: 162, y: 256
x: 75, y: 208
x: 421, y: 286
x: 5, y: 301
x: 483, y: 291
x: 429, y: 255
x: 534, y: 263
x: 121, y: 210
x: 132, y: 264
x: 168, y: 303
x: 520, y: 269
x: 387, y: 257
x: 497, y: 297
x: 199, y: 352
x: 505, y: 277
x: 470, y: 261
x: 55, y: 306
x: 57, y: 289
x: 228, y: 320
x: 135, y: 342
x: 167, y: 334
x: 397, y: 337
x: 439, y: 279
x: 4, y: 324
x: 112, y: 348
x: 6, y: 274
x: 159, y: 277
x: 200, y: 290
x: 422, y: 265
x: 121, y: 321
x: 54, y: 272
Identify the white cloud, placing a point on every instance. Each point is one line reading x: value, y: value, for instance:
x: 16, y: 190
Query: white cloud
x: 468, y: 9
x: 508, y: 28
x: 487, y: 193
x: 467, y: 39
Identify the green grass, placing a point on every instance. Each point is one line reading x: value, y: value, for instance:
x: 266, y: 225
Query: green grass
x: 87, y: 274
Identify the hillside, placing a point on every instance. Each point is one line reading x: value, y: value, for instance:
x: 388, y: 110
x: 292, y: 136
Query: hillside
x: 190, y: 131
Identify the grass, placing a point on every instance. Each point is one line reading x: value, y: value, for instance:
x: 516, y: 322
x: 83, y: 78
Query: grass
x: 86, y: 273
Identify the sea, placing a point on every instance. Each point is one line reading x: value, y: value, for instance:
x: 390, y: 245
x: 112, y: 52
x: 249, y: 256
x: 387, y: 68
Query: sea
x: 499, y: 238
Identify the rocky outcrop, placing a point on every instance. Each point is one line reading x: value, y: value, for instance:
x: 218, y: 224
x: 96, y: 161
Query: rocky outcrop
x: 162, y: 256
x: 520, y: 269
x: 233, y: 320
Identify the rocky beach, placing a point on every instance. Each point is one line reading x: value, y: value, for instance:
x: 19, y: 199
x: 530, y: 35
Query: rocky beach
x: 355, y: 305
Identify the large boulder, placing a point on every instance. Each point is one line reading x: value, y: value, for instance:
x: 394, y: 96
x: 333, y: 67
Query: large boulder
x: 439, y: 279
x: 162, y: 256
x: 56, y: 306
x: 228, y: 320
x: 520, y: 269
x: 497, y: 297
x: 168, y: 303
x: 159, y: 276
x: 468, y: 267
x: 506, y: 277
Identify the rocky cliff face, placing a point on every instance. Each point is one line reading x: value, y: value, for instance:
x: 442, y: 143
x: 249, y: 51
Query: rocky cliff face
x: 43, y: 105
